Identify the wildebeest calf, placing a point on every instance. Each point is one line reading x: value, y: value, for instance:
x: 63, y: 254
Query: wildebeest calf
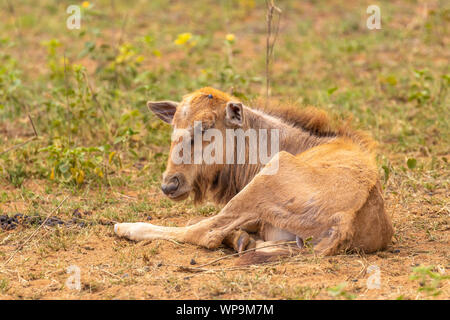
x: 322, y: 185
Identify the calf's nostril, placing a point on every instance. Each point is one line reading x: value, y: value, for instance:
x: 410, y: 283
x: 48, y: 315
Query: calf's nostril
x: 171, y: 187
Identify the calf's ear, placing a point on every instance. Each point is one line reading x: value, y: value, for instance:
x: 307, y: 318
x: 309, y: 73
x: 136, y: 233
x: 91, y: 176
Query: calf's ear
x: 234, y: 114
x: 163, y: 109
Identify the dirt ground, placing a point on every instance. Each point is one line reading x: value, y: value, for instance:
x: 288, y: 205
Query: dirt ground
x: 113, y: 268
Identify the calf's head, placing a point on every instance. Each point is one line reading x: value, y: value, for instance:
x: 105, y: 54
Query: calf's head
x: 196, y: 120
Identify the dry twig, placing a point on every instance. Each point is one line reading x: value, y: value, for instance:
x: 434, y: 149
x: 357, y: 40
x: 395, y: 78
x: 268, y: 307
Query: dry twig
x: 270, y: 41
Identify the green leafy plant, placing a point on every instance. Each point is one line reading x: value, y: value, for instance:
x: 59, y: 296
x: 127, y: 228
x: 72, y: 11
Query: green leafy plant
x: 57, y: 64
x: 420, y: 87
x: 79, y: 164
x: 12, y: 91
x: 411, y: 163
x: 16, y: 174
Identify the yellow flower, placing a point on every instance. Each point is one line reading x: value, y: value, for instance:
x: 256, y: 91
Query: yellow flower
x: 139, y: 59
x: 85, y: 4
x: 183, y: 38
x: 99, y: 172
x: 52, y: 174
x: 156, y: 53
x: 230, y: 37
x: 80, y: 177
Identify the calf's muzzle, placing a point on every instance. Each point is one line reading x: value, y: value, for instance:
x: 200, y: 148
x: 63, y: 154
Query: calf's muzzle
x: 171, y: 186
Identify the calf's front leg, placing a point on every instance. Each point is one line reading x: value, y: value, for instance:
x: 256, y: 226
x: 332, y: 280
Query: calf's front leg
x: 208, y: 233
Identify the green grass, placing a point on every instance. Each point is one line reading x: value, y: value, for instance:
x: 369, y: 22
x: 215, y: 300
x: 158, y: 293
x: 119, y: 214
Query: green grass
x: 4, y: 285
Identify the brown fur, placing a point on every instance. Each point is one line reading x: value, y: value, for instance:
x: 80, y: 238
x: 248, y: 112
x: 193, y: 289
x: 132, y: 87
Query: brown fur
x: 232, y: 178
x: 316, y: 122
x: 326, y: 188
